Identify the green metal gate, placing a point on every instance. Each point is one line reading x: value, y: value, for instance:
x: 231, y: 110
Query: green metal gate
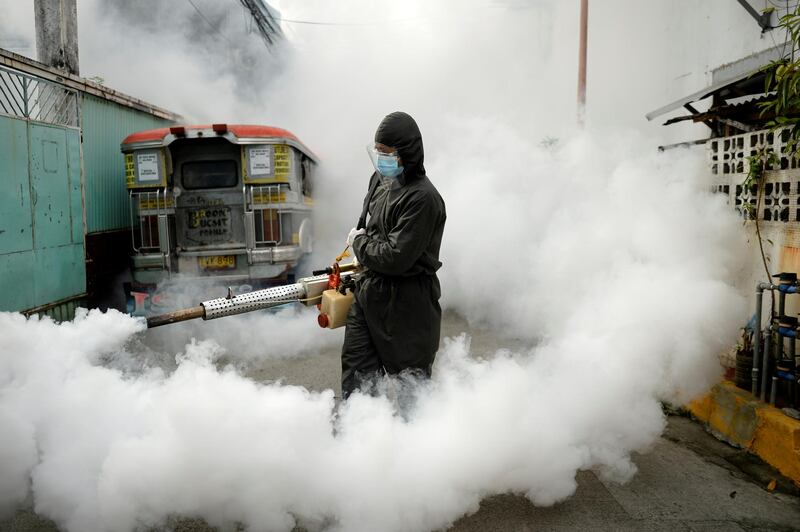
x: 41, y: 207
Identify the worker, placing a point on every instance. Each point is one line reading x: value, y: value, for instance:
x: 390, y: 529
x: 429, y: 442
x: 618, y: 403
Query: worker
x: 394, y: 322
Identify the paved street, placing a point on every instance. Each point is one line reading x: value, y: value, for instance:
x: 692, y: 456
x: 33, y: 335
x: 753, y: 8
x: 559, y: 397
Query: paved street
x: 689, y: 481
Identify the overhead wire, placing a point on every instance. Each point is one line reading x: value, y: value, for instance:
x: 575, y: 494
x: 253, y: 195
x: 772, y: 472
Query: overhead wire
x: 216, y: 30
x: 325, y: 23
x: 786, y: 42
x: 249, y: 22
x: 263, y: 20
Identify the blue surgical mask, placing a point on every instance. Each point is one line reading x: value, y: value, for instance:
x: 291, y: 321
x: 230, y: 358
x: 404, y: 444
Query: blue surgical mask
x: 388, y: 166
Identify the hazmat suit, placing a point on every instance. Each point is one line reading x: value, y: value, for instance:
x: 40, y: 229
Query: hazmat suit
x: 395, y: 319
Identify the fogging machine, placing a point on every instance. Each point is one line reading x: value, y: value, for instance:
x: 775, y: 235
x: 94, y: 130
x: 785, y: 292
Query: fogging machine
x: 329, y: 289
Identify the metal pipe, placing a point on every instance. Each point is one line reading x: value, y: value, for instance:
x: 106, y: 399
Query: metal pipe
x: 757, y: 337
x: 174, y: 317
x: 765, y: 362
x: 584, y: 30
x: 793, y: 382
x: 780, y: 341
x: 773, y: 391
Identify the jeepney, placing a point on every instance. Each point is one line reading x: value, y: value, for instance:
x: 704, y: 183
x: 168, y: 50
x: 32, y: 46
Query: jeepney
x: 223, y: 204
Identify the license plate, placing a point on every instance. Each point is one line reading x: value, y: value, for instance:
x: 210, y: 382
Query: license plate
x: 218, y: 262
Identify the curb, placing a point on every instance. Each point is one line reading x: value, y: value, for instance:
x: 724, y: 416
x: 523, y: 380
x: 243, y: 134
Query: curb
x: 738, y: 418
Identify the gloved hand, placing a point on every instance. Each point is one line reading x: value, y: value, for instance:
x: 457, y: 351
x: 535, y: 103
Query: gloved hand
x: 352, y: 236
x: 356, y: 264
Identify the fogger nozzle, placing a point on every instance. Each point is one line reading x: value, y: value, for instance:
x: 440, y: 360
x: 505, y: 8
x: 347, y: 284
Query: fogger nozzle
x: 174, y: 317
x: 307, y: 291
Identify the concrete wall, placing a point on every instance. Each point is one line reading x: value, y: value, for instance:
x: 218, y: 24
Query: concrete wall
x: 778, y: 212
x: 643, y: 55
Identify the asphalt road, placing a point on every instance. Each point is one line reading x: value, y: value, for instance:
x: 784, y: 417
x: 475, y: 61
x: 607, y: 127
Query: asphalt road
x: 688, y: 481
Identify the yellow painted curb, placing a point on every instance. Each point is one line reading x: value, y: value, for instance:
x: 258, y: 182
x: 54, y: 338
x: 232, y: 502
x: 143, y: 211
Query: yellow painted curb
x: 777, y: 441
x: 747, y: 422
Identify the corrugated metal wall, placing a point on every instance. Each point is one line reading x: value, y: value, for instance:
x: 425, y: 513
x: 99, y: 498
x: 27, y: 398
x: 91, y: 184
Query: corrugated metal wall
x: 105, y: 124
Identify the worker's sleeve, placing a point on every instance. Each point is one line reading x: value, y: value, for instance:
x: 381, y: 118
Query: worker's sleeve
x: 409, y: 237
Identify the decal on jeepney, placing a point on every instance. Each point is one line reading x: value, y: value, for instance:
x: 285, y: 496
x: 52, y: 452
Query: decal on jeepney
x: 130, y: 170
x: 202, y: 200
x: 283, y: 158
x: 146, y: 168
x: 260, y: 161
x: 209, y: 222
x: 266, y: 163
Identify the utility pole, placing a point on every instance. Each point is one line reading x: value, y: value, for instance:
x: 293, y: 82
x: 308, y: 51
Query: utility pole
x: 57, y: 34
x: 584, y: 28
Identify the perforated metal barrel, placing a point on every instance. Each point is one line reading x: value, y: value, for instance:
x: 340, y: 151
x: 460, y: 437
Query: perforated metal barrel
x: 260, y: 299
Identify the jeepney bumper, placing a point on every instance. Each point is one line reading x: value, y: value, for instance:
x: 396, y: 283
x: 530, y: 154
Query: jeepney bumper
x: 149, y: 268
x: 261, y: 263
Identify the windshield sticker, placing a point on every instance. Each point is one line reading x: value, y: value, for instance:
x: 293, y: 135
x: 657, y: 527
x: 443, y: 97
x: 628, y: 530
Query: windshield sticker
x: 260, y: 161
x: 148, y: 167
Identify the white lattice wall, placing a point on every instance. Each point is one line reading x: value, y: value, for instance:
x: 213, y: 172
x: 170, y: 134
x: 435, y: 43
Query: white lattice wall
x: 779, y: 211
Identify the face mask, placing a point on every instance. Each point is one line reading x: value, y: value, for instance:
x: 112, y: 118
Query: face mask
x: 387, y: 166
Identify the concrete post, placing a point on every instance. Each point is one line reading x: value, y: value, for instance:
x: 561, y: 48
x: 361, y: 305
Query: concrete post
x: 57, y: 34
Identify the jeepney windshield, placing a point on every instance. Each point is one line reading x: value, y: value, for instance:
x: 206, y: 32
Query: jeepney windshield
x: 209, y: 174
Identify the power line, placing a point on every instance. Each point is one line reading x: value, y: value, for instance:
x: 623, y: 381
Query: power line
x: 264, y: 21
x: 320, y: 23
x: 209, y: 22
x: 787, y: 42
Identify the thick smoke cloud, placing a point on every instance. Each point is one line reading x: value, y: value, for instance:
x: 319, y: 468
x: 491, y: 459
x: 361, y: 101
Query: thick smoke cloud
x: 612, y: 263
x: 627, y: 316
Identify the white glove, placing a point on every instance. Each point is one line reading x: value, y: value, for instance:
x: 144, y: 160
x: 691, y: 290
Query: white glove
x: 352, y: 236
x: 356, y: 264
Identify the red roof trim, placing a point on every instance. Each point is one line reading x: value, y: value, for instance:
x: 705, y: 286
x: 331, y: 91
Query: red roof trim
x: 238, y: 130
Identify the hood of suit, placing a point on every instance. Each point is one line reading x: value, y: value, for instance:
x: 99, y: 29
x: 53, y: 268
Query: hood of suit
x: 400, y: 131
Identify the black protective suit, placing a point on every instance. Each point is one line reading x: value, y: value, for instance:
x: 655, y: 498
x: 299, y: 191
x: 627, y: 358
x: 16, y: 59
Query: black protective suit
x: 395, y: 320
